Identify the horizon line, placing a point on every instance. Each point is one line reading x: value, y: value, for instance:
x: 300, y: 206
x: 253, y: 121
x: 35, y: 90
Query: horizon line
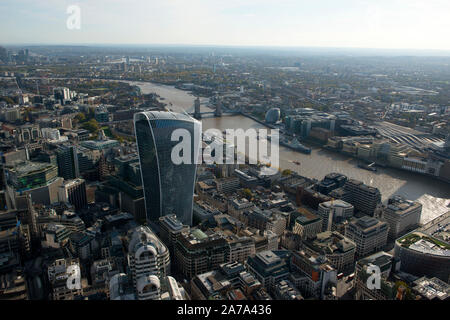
x: 256, y: 46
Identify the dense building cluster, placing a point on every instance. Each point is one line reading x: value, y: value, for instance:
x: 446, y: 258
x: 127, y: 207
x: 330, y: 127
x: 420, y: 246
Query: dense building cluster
x: 93, y: 207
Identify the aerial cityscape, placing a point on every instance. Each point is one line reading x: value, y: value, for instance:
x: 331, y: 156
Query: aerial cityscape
x: 215, y: 172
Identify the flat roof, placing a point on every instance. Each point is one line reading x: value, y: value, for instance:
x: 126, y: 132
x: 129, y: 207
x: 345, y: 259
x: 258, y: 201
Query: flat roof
x: 165, y: 115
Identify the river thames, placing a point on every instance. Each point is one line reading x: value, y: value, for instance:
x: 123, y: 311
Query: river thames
x: 433, y: 194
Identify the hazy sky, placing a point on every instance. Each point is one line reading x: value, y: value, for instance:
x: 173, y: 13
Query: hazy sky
x: 406, y: 24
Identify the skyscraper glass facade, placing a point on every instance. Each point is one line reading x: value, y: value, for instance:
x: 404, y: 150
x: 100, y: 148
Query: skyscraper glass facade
x: 168, y: 187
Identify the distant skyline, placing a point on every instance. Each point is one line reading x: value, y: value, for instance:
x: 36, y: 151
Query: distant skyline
x: 377, y: 24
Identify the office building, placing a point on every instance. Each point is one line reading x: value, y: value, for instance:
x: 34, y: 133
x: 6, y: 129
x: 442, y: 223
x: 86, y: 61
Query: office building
x: 303, y: 120
x: 402, y: 215
x: 307, y: 225
x: 422, y: 254
x: 218, y: 283
x: 12, y: 114
x: 285, y: 290
x: 334, y: 213
x: 13, y: 286
x: 121, y: 287
x: 61, y: 93
x: 273, y: 115
x: 312, y: 274
x: 27, y: 175
x: 58, y: 273
x: 338, y: 249
x: 80, y: 245
x: 51, y: 133
x: 431, y: 289
x: 197, y: 252
x: 170, y: 229
x: 67, y: 158
x: 239, y: 248
x: 264, y: 241
x: 38, y: 179
x: 148, y: 258
x: 237, y: 206
x: 149, y: 288
x: 74, y: 192
x: 330, y: 182
x: 269, y: 267
x: 264, y: 220
x: 100, y: 145
x: 27, y: 133
x: 168, y: 187
x: 369, y: 235
x: 101, y: 114
x: 55, y: 235
x: 385, y: 262
x: 227, y: 185
x: 363, y: 197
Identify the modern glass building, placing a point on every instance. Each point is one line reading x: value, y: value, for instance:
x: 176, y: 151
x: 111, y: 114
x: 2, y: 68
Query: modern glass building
x: 28, y: 175
x: 273, y: 115
x: 168, y: 187
x: 67, y: 160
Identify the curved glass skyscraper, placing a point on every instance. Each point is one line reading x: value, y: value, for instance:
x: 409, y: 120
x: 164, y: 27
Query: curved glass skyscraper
x: 168, y: 187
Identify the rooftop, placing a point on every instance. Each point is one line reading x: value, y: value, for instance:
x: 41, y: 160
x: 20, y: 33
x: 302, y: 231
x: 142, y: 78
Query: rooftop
x: 99, y: 144
x: 172, y: 221
x: 164, y: 115
x: 361, y: 185
x: 380, y: 259
x: 306, y: 217
x: 367, y: 223
x: 332, y: 241
x: 336, y: 204
x: 425, y: 243
x: 432, y: 288
x: 28, y: 167
x: 400, y: 205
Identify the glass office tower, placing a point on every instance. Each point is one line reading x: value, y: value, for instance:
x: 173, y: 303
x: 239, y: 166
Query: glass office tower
x: 168, y: 187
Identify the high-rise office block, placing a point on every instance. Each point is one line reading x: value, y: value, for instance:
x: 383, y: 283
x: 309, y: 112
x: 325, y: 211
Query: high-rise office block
x: 402, y: 215
x: 74, y: 192
x: 67, y: 162
x: 148, y: 258
x: 369, y: 234
x: 197, y: 252
x: 334, y: 212
x: 363, y: 197
x: 331, y: 182
x: 168, y: 187
x: 171, y: 228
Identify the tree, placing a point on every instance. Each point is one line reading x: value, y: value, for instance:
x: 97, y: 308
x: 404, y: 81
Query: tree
x: 92, y: 126
x: 248, y: 194
x: 80, y: 117
x: 286, y: 172
x: 407, y: 294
